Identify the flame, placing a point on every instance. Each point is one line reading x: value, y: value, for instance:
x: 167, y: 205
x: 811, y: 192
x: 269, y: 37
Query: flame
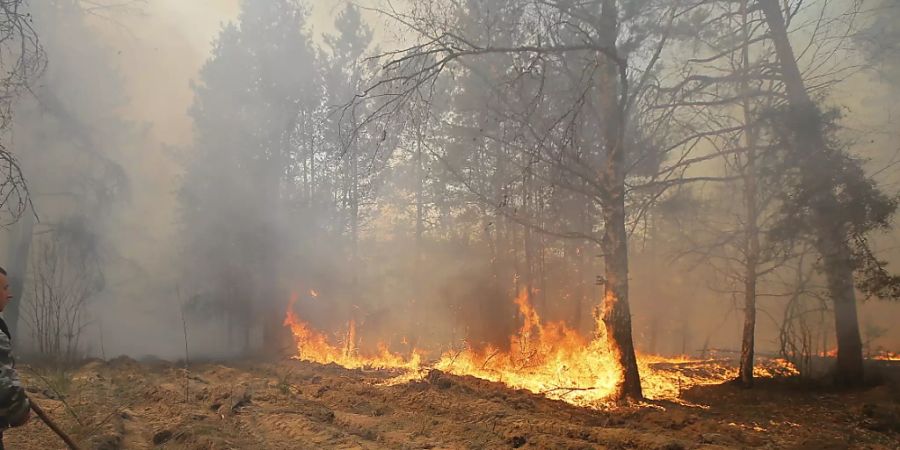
x: 314, y: 346
x: 885, y: 355
x: 313, y: 293
x: 882, y: 355
x: 551, y: 359
x: 545, y: 358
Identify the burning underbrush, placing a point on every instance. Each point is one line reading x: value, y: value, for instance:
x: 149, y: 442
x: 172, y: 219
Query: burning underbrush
x: 550, y: 359
x: 885, y: 355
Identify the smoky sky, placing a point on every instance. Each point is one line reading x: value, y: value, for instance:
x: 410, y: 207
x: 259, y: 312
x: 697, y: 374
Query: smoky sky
x: 158, y: 47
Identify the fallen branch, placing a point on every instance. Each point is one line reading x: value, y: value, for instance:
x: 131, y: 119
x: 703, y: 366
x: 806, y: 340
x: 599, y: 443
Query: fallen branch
x: 484, y: 364
x: 567, y: 390
x: 50, y: 423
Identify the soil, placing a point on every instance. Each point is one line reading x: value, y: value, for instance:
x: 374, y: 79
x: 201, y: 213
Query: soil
x: 124, y: 404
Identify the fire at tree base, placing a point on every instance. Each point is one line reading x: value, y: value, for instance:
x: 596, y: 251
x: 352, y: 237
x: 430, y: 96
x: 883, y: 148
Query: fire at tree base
x: 549, y: 359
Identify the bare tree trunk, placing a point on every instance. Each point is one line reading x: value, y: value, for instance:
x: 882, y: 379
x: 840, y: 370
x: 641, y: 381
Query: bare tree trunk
x: 586, y: 274
x: 831, y: 234
x: 747, y: 342
x: 616, y: 312
x: 353, y: 191
x: 571, y: 258
x: 528, y: 246
x: 420, y: 194
x: 414, y: 314
x: 751, y: 230
x: 499, y: 263
x: 541, y: 250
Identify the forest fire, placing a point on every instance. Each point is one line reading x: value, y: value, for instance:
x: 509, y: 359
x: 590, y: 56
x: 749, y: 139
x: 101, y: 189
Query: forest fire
x: 550, y: 359
x: 882, y: 355
x: 313, y: 346
x: 886, y: 356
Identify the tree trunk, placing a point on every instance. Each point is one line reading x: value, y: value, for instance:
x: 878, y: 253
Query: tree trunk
x: 586, y: 270
x: 616, y: 312
x: 420, y: 194
x: 541, y: 258
x: 527, y: 244
x: 751, y: 230
x: 831, y: 236
x: 747, y: 342
x: 500, y: 251
x: 353, y: 191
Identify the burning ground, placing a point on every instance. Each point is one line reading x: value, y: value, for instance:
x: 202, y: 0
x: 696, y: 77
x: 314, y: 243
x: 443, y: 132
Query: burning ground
x: 302, y: 405
x: 548, y: 388
x: 549, y: 359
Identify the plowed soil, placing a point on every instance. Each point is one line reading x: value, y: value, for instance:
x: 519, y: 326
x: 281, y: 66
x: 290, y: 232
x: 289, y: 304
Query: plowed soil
x: 123, y: 404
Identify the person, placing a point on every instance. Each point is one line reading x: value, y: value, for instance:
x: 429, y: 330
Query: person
x: 15, y: 409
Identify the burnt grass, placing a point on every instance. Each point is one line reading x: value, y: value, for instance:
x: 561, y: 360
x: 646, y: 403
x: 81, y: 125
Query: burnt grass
x: 125, y: 404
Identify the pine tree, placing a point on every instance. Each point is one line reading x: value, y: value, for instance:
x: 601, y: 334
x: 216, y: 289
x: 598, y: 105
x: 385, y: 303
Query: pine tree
x: 246, y: 111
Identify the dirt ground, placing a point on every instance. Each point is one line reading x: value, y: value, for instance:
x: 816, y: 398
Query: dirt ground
x: 123, y: 404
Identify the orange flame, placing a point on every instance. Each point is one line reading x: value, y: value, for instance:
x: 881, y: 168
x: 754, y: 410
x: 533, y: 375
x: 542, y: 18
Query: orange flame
x: 885, y: 355
x: 314, y: 346
x: 550, y: 359
x: 546, y: 358
x: 882, y: 355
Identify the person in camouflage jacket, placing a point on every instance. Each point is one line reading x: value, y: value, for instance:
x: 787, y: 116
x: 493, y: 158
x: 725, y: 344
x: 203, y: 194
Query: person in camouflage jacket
x: 15, y: 408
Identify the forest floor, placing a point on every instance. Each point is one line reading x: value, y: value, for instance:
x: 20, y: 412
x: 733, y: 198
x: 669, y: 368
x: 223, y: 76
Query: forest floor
x: 123, y: 404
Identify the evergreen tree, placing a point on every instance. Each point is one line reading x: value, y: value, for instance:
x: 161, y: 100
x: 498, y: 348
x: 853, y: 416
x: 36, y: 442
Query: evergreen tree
x: 246, y: 110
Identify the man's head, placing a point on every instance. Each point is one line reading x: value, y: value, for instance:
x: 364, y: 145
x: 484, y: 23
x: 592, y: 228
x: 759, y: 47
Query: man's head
x: 5, y: 295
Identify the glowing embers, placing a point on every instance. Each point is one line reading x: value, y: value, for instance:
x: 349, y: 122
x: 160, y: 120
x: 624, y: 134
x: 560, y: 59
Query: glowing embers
x: 881, y: 355
x: 885, y: 355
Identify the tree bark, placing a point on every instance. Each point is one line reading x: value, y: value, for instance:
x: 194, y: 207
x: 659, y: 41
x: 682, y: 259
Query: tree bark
x: 748, y: 341
x: 830, y: 234
x: 751, y: 230
x: 527, y: 237
x: 616, y: 312
x: 420, y: 194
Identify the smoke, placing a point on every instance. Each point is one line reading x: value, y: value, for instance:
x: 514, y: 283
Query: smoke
x: 129, y: 89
